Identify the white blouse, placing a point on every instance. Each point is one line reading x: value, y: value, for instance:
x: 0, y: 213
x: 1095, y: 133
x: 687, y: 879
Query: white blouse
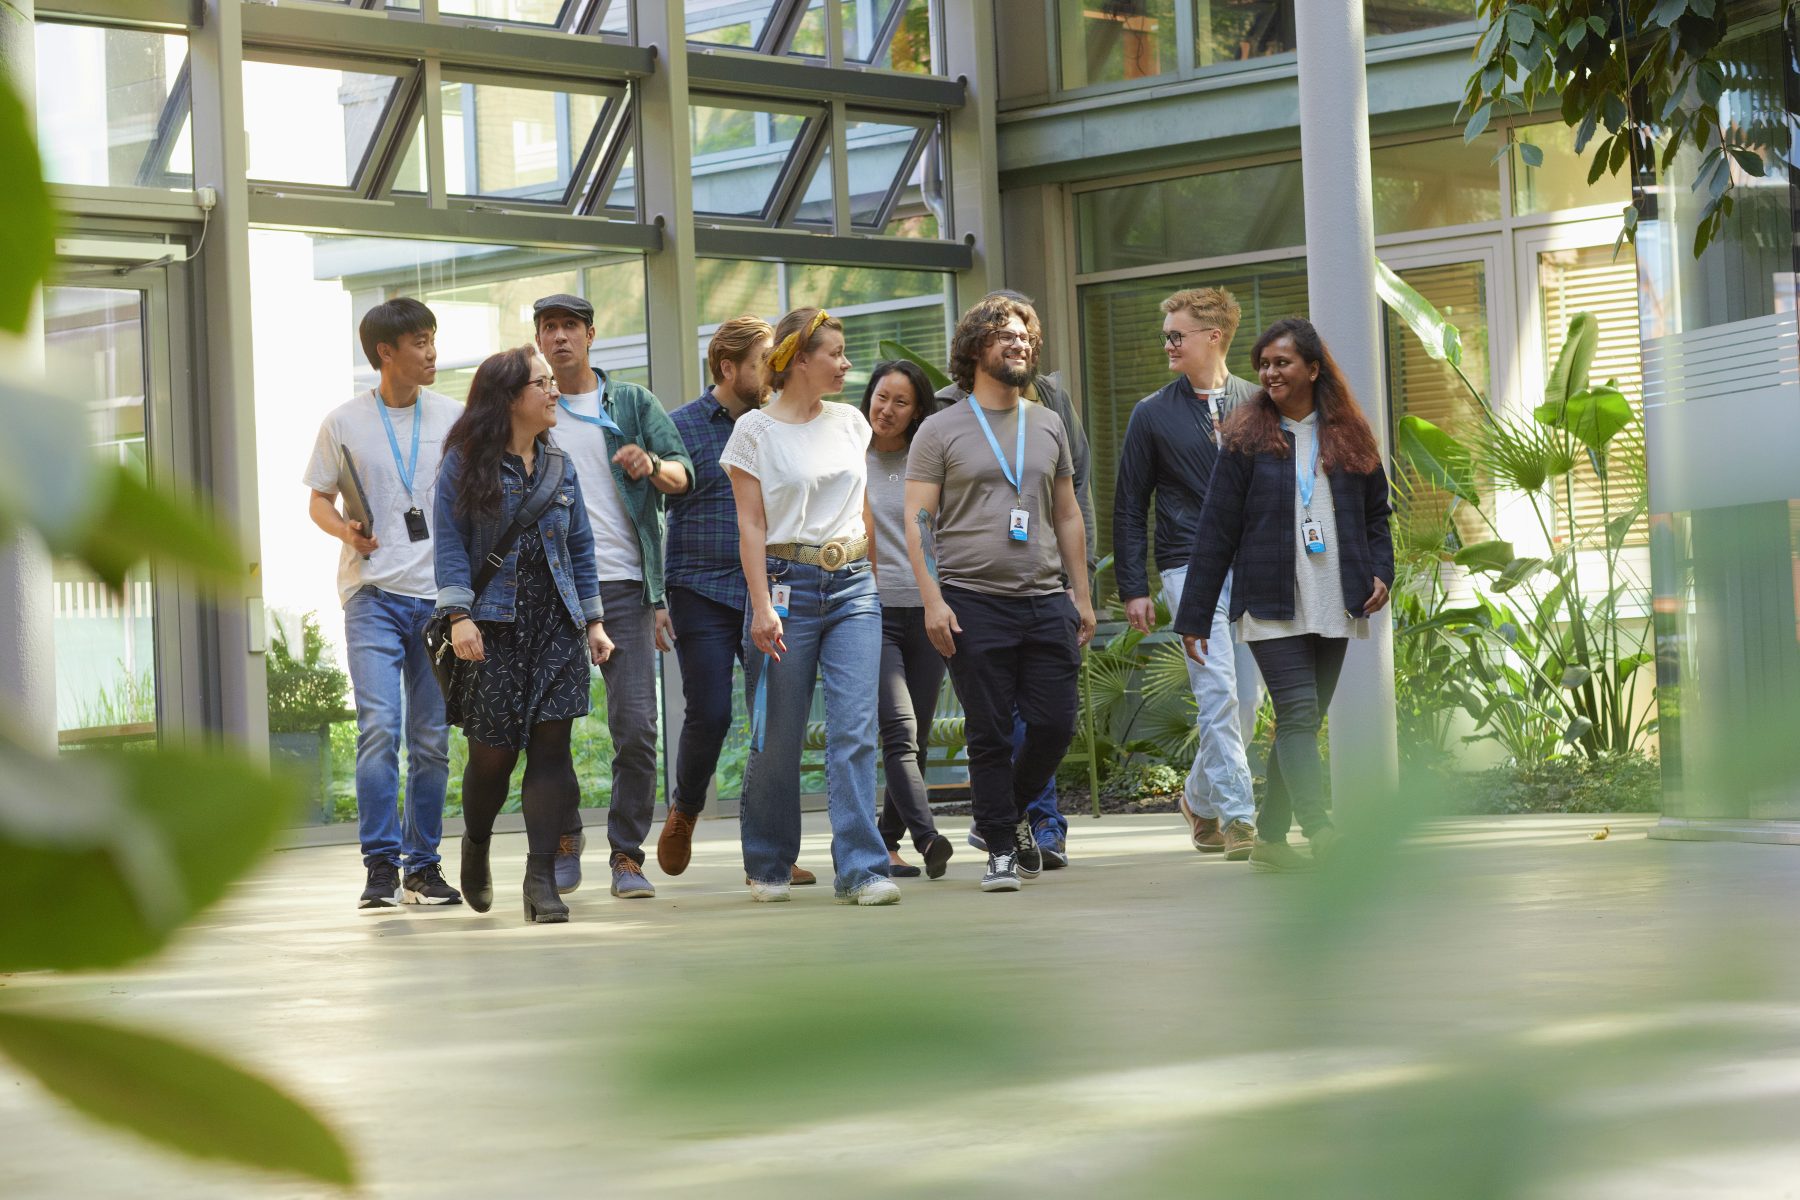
x: 813, y: 475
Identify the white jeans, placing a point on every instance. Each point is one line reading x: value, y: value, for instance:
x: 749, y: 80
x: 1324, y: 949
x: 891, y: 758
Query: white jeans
x: 1218, y: 784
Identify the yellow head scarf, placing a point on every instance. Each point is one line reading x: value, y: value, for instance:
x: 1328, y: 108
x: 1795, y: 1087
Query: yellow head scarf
x: 790, y: 345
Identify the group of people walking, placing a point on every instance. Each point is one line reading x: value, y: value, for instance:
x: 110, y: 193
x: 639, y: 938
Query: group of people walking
x: 563, y: 520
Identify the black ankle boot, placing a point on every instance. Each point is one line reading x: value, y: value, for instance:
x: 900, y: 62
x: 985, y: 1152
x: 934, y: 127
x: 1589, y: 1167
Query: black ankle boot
x: 542, y: 904
x: 477, y: 879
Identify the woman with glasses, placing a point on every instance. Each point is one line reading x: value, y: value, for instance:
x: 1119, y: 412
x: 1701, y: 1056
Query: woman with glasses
x: 799, y: 478
x: 533, y: 628
x: 896, y: 402
x: 1298, y: 513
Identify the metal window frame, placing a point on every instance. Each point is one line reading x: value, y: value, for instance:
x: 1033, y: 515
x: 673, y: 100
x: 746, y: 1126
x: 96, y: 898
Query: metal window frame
x: 923, y: 132
x: 801, y: 160
x: 404, y: 75
x: 614, y: 100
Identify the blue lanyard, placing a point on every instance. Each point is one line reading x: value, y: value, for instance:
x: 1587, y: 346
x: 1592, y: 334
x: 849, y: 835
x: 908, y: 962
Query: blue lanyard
x: 1308, y: 478
x: 406, y: 471
x: 603, y: 421
x: 1013, y: 475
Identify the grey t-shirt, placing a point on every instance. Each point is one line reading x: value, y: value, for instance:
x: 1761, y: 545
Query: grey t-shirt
x: 974, y: 548
x: 887, y: 505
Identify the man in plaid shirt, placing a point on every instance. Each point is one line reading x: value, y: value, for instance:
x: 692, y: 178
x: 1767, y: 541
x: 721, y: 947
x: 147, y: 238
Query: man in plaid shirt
x: 705, y: 578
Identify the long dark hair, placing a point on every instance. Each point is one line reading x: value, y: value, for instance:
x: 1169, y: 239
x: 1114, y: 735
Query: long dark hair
x: 484, y: 428
x: 926, y: 401
x: 1346, y: 443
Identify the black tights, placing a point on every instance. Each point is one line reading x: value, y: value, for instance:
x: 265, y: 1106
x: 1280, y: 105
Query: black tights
x: 549, y: 795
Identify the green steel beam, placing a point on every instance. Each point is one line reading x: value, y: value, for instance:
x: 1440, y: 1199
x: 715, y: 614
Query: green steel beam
x: 122, y: 12
x: 796, y: 246
x: 526, y: 51
x: 795, y: 79
x: 383, y: 218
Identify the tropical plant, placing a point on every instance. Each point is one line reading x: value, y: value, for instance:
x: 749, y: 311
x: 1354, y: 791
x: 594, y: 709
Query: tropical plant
x: 104, y: 856
x: 1537, y: 657
x: 1643, y: 76
x: 307, y: 691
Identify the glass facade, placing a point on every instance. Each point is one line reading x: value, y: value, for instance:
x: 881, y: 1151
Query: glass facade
x: 126, y: 124
x: 1723, y: 359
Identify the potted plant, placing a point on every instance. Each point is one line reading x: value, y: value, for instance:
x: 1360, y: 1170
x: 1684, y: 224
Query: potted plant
x: 307, y: 695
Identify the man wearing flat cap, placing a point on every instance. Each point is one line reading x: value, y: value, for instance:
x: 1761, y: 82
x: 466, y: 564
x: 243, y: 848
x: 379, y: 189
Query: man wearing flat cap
x: 618, y: 431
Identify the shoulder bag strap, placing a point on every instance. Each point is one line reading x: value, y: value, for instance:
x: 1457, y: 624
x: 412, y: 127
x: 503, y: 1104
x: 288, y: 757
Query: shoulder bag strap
x: 542, y: 493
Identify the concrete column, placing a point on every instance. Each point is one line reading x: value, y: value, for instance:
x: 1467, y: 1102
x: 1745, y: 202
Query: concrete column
x: 220, y: 162
x: 1340, y: 267
x: 969, y: 54
x: 27, y: 656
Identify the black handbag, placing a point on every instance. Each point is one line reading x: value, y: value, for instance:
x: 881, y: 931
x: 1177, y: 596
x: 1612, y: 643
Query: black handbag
x: 448, y: 668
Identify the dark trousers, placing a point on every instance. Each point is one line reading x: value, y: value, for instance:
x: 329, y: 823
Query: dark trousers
x: 1301, y: 674
x: 709, y: 637
x: 1014, y: 652
x: 911, y: 672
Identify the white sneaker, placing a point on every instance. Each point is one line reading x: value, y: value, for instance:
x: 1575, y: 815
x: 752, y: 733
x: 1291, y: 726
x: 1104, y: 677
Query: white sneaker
x: 769, y: 893
x: 876, y: 890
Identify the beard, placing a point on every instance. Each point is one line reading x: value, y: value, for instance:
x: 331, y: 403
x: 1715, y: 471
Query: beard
x: 1004, y: 372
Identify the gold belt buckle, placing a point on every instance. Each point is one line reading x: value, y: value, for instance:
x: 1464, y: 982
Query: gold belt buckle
x: 833, y: 555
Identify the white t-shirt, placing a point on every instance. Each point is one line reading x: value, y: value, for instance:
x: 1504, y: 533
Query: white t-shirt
x: 616, y: 551
x: 399, y: 565
x: 813, y: 476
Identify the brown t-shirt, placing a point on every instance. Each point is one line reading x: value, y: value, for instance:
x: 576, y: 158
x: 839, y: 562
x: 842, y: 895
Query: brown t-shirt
x: 974, y: 549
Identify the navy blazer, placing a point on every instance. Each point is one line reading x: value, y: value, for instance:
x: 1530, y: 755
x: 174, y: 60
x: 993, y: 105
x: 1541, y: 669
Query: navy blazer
x: 1249, y: 526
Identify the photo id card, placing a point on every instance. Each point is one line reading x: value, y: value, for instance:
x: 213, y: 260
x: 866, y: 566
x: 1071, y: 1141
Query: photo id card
x: 1018, y: 525
x: 1313, y: 534
x: 415, y: 525
x: 780, y: 594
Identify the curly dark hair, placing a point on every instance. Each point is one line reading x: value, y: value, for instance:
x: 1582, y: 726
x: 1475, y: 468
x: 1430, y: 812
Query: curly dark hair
x: 927, y: 402
x: 481, y: 433
x: 977, y: 328
x: 1346, y: 443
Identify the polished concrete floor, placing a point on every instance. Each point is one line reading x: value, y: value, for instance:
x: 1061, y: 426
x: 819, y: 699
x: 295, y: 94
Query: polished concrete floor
x: 1503, y: 1007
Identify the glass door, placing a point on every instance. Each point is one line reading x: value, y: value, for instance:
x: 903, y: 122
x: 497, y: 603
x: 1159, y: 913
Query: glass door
x: 107, y: 346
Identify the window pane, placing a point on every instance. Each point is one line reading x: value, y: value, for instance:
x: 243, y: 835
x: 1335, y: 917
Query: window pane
x: 910, y: 48
x: 311, y: 124
x: 1403, y: 16
x: 815, y: 203
x: 726, y: 22
x: 878, y: 153
x: 1238, y: 30
x: 730, y: 287
x: 516, y: 142
x: 530, y: 12
x: 1427, y: 185
x: 102, y: 97
x: 1107, y: 43
x: 105, y: 640
x: 739, y: 157
x: 1197, y: 216
x: 809, y: 39
x: 1562, y: 181
x: 411, y: 175
x: 1123, y: 361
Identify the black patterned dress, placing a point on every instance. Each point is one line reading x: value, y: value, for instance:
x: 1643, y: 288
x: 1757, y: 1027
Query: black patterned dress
x: 537, y: 664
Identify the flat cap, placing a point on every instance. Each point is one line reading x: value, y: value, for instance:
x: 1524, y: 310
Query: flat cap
x: 563, y: 303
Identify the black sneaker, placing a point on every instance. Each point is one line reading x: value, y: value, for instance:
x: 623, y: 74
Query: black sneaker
x: 1029, y: 858
x: 383, y: 890
x: 427, y: 886
x: 1002, y: 874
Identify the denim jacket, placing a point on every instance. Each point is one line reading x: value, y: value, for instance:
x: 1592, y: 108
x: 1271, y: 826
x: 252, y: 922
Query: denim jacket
x: 464, y: 541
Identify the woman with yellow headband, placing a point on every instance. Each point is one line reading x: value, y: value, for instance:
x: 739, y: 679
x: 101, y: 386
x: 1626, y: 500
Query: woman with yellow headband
x: 799, y: 475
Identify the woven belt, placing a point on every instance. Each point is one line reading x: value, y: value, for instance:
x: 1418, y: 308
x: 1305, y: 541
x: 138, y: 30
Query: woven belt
x: 831, y: 556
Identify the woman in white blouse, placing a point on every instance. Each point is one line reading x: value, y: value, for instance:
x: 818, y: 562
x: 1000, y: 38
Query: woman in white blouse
x: 799, y: 476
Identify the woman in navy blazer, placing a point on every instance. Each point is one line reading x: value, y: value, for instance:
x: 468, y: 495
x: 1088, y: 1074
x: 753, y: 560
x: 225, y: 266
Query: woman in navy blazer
x: 1309, y: 564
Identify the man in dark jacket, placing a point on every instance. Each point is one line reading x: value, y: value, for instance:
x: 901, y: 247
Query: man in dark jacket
x: 1047, y: 822
x: 1171, y: 445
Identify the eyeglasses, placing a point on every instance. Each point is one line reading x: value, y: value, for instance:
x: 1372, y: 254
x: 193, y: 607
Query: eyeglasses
x: 1007, y: 337
x: 541, y: 382
x: 1173, y: 338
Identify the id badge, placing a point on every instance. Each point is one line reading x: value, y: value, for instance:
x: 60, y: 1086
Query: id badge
x: 780, y: 594
x: 1313, y: 534
x: 1018, y: 525
x: 415, y: 525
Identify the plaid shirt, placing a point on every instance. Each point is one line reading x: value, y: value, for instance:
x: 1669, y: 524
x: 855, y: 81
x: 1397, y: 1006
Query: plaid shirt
x: 703, y: 532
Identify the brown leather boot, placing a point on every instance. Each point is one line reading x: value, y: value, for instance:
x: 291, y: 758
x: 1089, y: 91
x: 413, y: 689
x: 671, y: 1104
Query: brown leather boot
x: 802, y: 876
x: 675, y: 844
x: 1208, y: 839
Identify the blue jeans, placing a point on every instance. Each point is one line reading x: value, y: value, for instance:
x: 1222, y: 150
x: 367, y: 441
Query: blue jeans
x: 396, y: 692
x: 1218, y: 785
x: 833, y: 636
x: 1047, y: 821
x: 709, y: 638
